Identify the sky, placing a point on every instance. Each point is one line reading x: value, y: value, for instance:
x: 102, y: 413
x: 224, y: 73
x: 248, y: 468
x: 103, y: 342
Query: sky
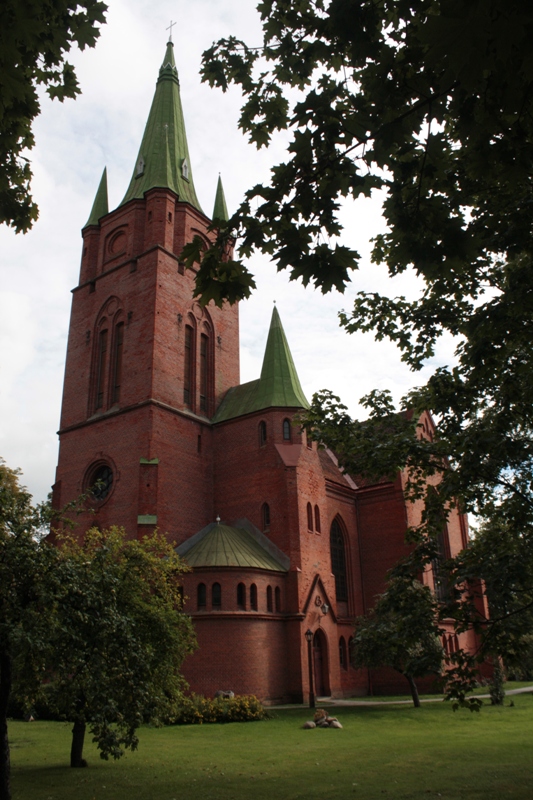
x: 104, y: 127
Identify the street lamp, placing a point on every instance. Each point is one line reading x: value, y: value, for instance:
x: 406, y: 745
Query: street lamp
x: 309, y: 639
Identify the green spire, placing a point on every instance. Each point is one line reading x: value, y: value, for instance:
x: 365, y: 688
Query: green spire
x: 279, y: 382
x: 100, y: 206
x: 220, y: 210
x: 278, y: 386
x: 163, y: 159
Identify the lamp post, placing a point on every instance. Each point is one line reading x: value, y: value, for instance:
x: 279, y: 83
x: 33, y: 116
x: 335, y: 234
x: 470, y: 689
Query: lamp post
x: 309, y: 639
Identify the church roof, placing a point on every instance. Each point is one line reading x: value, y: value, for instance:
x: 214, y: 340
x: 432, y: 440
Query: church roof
x: 278, y: 386
x: 220, y: 210
x: 220, y: 545
x: 163, y: 159
x: 100, y: 206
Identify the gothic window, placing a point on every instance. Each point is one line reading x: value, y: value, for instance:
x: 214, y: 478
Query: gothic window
x: 286, y: 430
x: 269, y: 598
x: 118, y: 345
x: 188, y: 366
x: 253, y: 597
x: 265, y: 516
x: 201, y: 596
x: 343, y: 655
x: 440, y: 578
x: 101, y: 362
x: 241, y: 596
x: 338, y: 561
x: 277, y: 599
x: 262, y: 433
x: 317, y: 519
x: 204, y: 371
x: 216, y: 595
x: 309, y: 517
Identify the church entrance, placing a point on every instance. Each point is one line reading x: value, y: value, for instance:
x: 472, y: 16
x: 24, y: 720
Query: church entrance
x: 320, y: 664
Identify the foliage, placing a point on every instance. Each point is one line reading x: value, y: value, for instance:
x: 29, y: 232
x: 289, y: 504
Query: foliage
x: 196, y: 709
x: 120, y: 637
x: 431, y: 102
x: 497, y: 692
x: 28, y: 585
x: 34, y: 37
x: 401, y: 632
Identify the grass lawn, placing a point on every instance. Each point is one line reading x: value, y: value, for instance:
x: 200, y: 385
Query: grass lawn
x: 382, y: 751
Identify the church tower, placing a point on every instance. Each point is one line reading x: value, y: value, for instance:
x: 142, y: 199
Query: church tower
x: 146, y: 365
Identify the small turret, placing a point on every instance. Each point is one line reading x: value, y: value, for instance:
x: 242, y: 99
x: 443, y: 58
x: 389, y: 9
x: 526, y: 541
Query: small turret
x: 220, y: 210
x: 100, y: 206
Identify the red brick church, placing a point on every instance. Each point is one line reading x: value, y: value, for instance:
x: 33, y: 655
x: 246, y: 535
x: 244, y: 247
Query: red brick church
x: 280, y: 541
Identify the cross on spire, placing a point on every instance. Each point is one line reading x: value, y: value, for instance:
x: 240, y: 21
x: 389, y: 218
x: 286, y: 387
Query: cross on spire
x: 170, y: 29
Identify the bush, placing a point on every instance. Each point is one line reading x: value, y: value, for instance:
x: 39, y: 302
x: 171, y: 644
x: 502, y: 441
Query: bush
x: 199, y: 710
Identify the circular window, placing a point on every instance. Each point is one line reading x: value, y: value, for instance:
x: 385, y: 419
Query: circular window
x: 101, y: 482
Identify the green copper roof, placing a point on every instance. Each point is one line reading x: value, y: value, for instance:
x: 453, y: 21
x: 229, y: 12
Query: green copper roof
x: 225, y: 546
x: 100, y: 206
x: 220, y: 210
x: 163, y: 159
x: 278, y: 386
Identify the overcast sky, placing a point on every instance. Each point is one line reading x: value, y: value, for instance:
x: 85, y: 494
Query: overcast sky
x: 104, y: 127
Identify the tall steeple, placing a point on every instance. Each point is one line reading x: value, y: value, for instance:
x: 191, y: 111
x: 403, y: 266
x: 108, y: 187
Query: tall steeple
x: 100, y: 206
x: 163, y: 159
x: 220, y: 210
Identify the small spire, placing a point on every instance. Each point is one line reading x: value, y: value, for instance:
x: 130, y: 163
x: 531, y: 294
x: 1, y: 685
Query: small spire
x: 220, y: 210
x: 100, y: 206
x: 279, y: 384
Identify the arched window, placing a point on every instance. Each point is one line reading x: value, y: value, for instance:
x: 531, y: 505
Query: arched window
x: 286, y: 430
x: 277, y: 599
x: 317, y: 519
x: 216, y: 596
x: 265, y: 516
x: 343, y: 655
x: 204, y: 371
x: 269, y: 598
x: 100, y: 482
x: 262, y: 433
x: 201, y: 596
x: 116, y: 378
x: 241, y: 596
x: 338, y: 561
x: 101, y: 363
x: 253, y: 597
x: 440, y: 577
x: 188, y: 382
x: 309, y: 517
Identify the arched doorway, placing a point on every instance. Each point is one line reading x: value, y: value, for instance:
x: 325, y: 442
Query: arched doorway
x: 320, y: 664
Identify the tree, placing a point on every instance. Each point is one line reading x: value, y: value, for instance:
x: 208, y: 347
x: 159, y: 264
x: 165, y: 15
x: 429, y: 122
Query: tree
x: 34, y: 37
x: 119, y: 640
x: 401, y: 632
x: 430, y: 101
x: 28, y: 587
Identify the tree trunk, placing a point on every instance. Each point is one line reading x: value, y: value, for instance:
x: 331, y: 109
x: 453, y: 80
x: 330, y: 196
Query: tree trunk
x: 414, y: 690
x: 76, y: 750
x: 5, y: 691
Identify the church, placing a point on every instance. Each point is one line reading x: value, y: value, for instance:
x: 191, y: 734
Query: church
x: 285, y: 549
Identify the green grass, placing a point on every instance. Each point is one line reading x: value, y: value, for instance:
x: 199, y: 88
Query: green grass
x: 382, y: 752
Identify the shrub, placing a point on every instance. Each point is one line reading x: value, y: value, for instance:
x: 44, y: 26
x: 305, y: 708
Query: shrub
x: 199, y: 710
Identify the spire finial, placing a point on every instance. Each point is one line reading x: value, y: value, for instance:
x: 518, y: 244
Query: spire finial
x: 170, y: 29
